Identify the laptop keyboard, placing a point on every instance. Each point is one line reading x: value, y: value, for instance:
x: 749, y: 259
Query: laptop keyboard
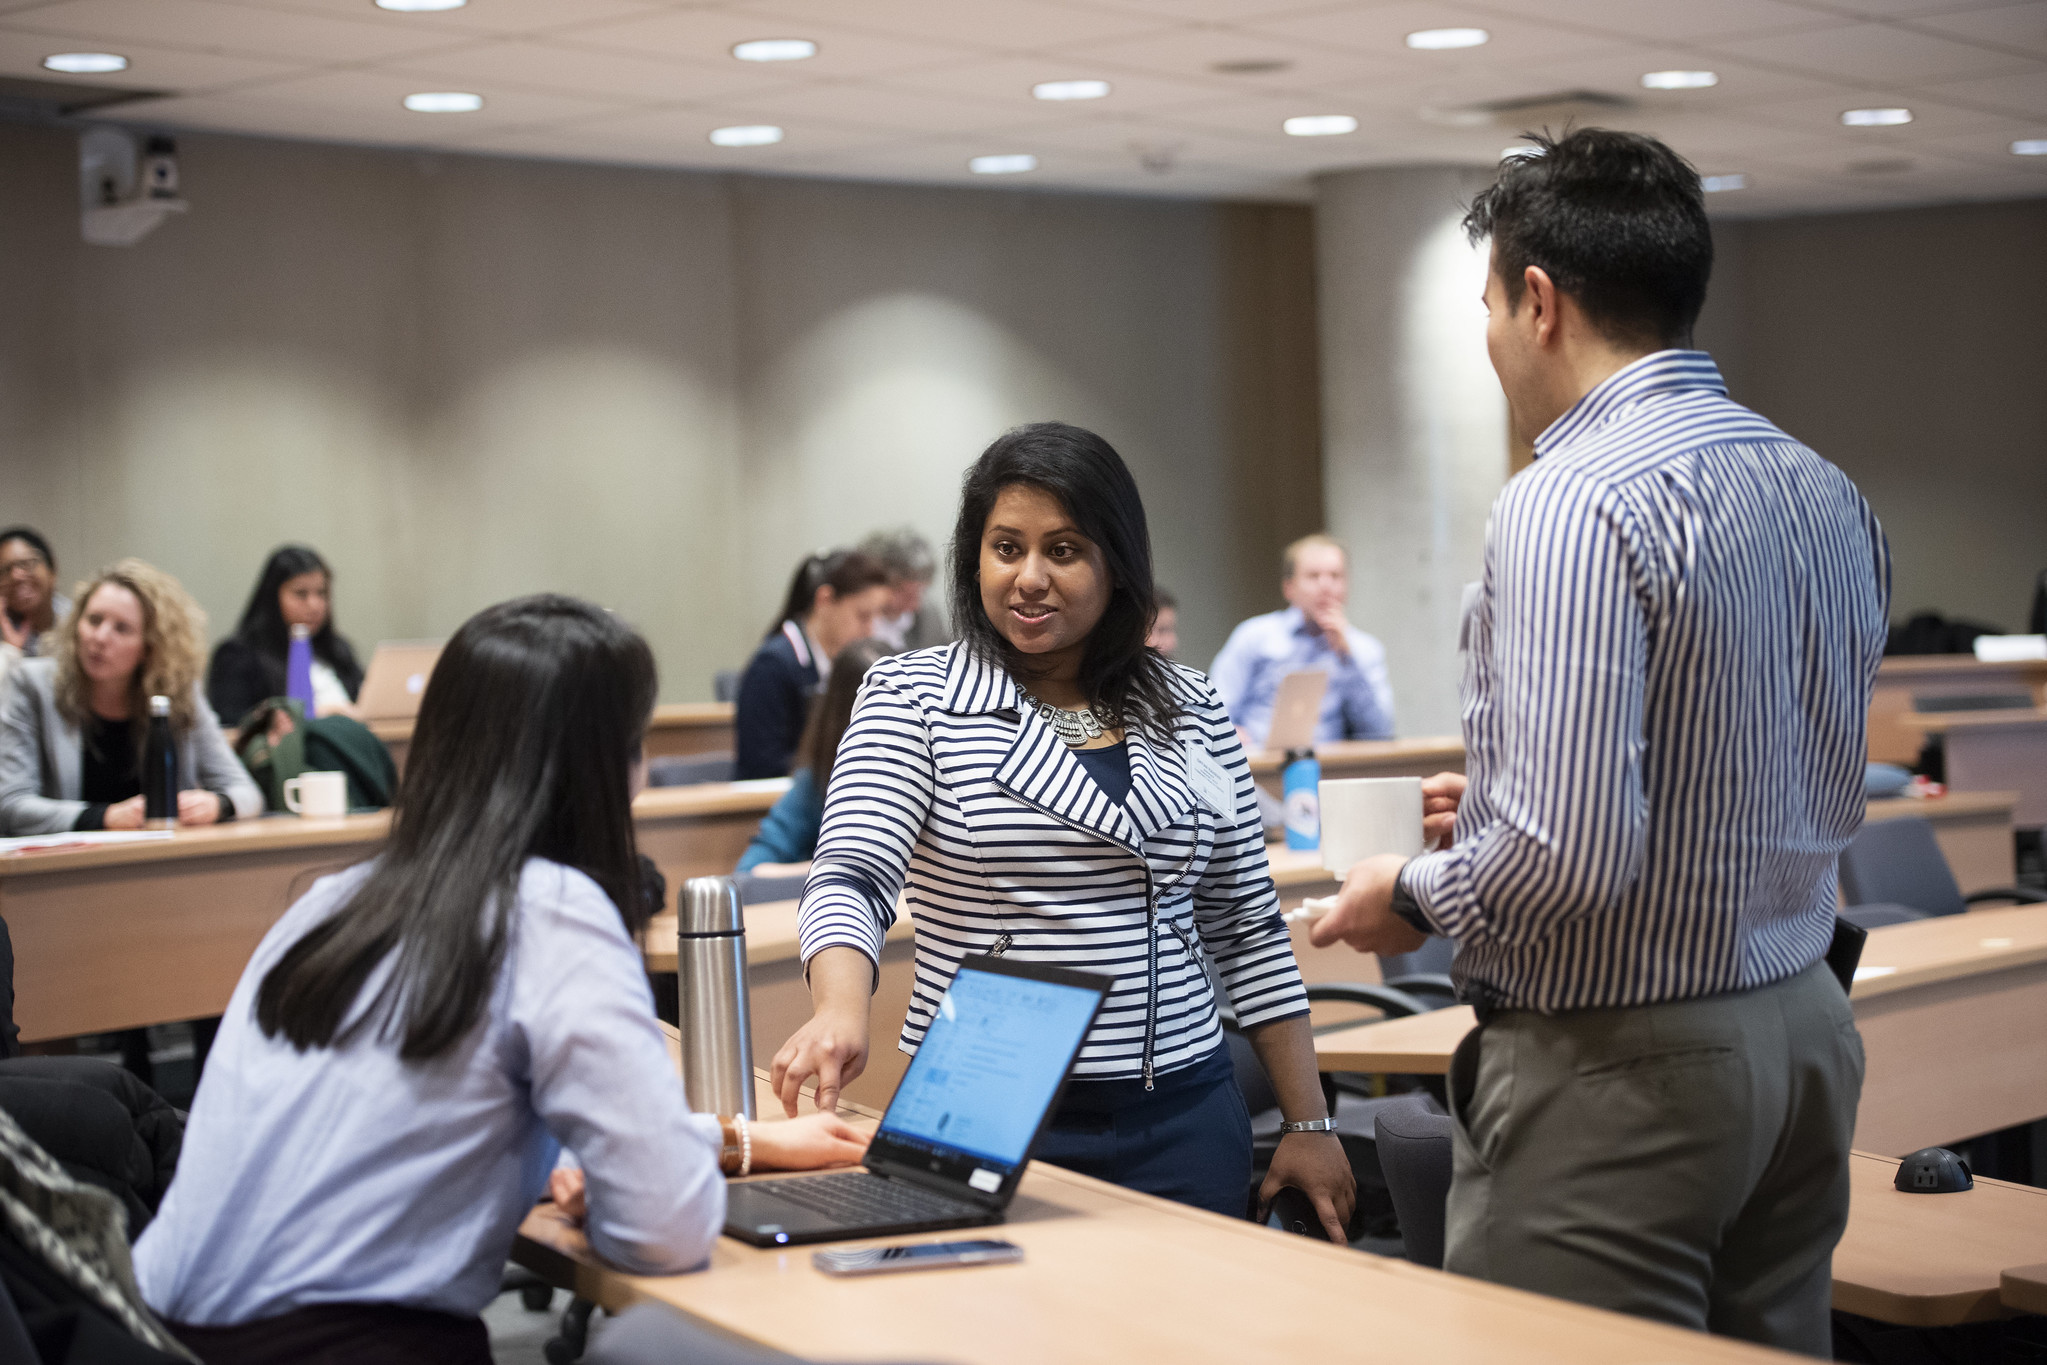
x: 858, y: 1197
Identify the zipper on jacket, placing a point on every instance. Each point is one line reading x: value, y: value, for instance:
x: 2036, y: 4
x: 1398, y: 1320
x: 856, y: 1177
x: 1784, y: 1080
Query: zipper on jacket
x: 1151, y: 950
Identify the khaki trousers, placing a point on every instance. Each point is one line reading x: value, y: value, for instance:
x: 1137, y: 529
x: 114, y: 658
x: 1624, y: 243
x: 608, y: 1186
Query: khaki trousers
x: 1686, y: 1162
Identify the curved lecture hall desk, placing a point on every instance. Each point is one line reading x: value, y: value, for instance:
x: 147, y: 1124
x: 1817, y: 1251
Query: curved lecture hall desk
x: 121, y: 936
x: 1112, y: 1276
x: 678, y: 730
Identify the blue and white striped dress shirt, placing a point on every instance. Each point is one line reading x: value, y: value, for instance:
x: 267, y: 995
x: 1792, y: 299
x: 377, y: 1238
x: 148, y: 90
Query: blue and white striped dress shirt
x: 1666, y: 692
x: 946, y: 787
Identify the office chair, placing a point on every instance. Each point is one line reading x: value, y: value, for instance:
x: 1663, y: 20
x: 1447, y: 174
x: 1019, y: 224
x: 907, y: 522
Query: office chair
x: 1423, y: 973
x: 652, y: 1335
x: 725, y: 685
x: 1878, y: 915
x: 690, y: 771
x: 1415, y: 1155
x: 1899, y: 863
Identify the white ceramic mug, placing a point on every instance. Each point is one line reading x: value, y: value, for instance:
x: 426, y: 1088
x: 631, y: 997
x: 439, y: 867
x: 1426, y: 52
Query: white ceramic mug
x: 1363, y: 817
x: 317, y: 796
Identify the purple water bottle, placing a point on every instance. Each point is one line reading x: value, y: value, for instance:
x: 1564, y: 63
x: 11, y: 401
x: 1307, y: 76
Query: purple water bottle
x: 298, y: 668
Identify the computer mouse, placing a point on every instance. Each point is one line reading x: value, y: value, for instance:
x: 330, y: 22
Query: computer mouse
x: 1934, y: 1170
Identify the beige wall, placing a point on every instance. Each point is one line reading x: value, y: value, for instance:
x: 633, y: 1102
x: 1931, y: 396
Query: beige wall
x: 1910, y: 348
x: 465, y: 378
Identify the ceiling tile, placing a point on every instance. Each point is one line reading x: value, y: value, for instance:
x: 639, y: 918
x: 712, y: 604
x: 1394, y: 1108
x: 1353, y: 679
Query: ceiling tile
x: 233, y: 29
x: 1665, y: 20
x: 2022, y: 93
x: 708, y: 35
x: 1381, y: 30
x: 1822, y: 115
x: 559, y: 66
x: 1193, y: 54
x: 1008, y: 80
x: 1013, y: 25
x: 149, y: 67
x: 483, y: 18
x: 2019, y: 28
x: 1872, y: 53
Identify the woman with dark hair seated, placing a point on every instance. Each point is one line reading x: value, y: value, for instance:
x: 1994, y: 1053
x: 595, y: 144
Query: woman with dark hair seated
x: 1049, y: 789
x: 832, y: 601
x: 416, y: 1038
x: 789, y: 833
x: 30, y: 605
x: 294, y: 589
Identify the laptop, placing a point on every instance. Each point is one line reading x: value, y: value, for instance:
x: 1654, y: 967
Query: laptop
x: 396, y: 679
x: 1296, y: 710
x: 958, y: 1133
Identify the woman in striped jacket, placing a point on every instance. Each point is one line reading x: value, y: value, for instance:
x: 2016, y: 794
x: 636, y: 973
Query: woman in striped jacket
x: 1050, y: 788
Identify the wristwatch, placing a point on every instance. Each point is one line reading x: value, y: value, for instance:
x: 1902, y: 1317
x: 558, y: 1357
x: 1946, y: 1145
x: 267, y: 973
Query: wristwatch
x: 1308, y: 1126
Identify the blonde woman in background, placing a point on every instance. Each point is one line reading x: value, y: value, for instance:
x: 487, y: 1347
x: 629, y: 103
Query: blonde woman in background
x: 73, y: 727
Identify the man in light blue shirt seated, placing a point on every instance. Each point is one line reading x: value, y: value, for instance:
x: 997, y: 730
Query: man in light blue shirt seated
x: 1311, y: 633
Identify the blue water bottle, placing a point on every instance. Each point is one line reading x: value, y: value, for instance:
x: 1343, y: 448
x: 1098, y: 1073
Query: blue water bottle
x: 298, y: 668
x: 1301, y: 783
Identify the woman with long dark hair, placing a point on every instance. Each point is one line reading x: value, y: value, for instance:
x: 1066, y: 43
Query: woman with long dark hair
x: 1051, y: 789
x: 788, y: 835
x: 413, y: 1040
x: 832, y: 601
x: 295, y: 589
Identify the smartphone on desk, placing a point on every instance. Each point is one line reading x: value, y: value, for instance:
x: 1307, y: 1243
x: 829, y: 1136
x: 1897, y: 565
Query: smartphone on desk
x: 917, y: 1256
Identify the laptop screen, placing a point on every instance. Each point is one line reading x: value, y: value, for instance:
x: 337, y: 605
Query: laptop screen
x: 985, y: 1074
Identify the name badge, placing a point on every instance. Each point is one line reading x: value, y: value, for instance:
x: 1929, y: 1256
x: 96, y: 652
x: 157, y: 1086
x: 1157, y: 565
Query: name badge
x: 1210, y: 783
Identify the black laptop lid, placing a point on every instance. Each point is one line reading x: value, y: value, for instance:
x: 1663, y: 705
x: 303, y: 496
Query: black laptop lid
x: 986, y: 1076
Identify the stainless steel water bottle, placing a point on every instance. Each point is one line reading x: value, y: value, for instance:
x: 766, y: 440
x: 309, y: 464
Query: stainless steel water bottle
x: 160, y: 769
x: 710, y: 972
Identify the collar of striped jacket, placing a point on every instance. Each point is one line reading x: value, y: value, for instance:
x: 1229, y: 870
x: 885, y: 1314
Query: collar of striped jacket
x: 1040, y: 769
x: 1663, y: 372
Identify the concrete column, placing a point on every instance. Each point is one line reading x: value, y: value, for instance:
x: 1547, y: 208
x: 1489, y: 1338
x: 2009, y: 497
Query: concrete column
x: 1414, y: 427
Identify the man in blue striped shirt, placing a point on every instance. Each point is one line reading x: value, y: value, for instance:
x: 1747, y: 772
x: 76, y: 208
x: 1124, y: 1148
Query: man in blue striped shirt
x: 1666, y: 687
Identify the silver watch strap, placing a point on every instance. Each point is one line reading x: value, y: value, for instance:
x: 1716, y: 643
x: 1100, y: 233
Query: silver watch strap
x: 1309, y: 1126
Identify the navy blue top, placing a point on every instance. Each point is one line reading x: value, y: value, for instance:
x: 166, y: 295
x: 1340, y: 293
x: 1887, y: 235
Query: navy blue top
x: 1110, y: 768
x: 773, y: 704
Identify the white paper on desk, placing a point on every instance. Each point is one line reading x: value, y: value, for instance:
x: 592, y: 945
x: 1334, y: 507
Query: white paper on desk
x: 1871, y: 973
x: 2010, y: 649
x: 73, y: 838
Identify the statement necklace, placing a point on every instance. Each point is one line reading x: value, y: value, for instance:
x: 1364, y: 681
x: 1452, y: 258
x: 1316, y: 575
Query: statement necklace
x: 1076, y: 728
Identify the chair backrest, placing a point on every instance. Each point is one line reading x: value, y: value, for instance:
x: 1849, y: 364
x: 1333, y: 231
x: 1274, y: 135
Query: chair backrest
x: 1432, y: 957
x: 1975, y: 701
x: 691, y: 770
x: 1899, y: 862
x: 1414, y: 1153
x: 1252, y: 1082
x: 725, y: 685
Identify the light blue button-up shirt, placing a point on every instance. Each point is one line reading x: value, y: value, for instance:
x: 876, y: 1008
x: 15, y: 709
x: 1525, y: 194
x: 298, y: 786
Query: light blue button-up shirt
x: 343, y: 1175
x: 1264, y: 649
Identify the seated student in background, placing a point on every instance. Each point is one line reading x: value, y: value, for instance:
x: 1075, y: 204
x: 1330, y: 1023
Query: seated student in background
x: 909, y: 621
x: 30, y: 605
x: 789, y: 833
x: 414, y: 1039
x: 1310, y: 633
x: 1164, y: 635
x: 833, y: 600
x: 249, y: 666
x: 73, y: 727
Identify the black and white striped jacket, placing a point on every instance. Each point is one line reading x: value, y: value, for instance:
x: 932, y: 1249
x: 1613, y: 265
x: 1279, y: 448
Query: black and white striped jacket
x: 946, y: 785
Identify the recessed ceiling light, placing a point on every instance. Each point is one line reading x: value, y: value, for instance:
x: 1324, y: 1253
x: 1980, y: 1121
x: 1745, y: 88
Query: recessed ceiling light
x: 444, y: 102
x: 1442, y: 39
x: 1875, y: 118
x: 1719, y: 184
x: 746, y: 135
x: 85, y: 63
x: 1011, y: 164
x: 1320, y: 125
x: 775, y: 50
x: 1679, y: 80
x: 2031, y: 146
x: 1517, y: 152
x: 420, y: 6
x: 1070, y: 90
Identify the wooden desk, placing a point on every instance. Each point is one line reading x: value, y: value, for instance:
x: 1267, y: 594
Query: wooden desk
x: 122, y: 936
x: 1901, y: 679
x: 1994, y: 751
x: 2023, y: 1289
x: 1933, y: 1260
x: 678, y: 730
x: 1113, y: 1276
x: 1949, y: 1010
x: 1973, y: 830
x: 1422, y: 757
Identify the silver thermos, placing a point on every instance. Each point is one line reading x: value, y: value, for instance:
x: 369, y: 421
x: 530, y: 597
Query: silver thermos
x: 710, y: 969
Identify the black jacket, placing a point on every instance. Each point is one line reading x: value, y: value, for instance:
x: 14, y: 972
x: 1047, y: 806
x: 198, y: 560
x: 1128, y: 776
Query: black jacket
x: 773, y: 705
x: 242, y: 675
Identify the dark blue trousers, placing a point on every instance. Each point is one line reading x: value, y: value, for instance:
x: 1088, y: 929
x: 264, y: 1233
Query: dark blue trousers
x: 1187, y: 1139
